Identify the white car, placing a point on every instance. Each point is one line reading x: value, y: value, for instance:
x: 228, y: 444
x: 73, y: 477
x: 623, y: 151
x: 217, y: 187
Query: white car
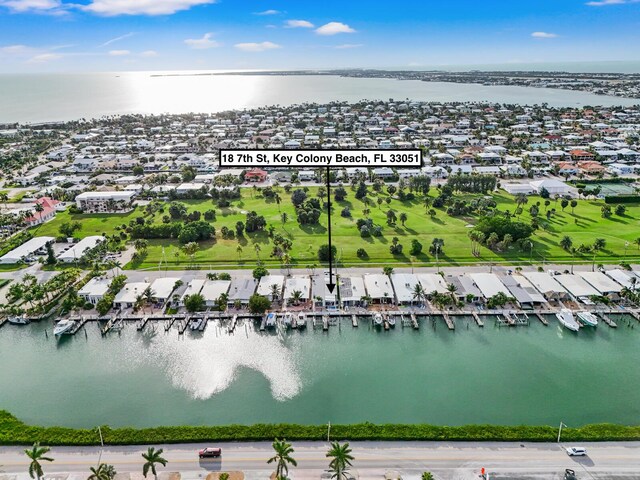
x: 576, y: 451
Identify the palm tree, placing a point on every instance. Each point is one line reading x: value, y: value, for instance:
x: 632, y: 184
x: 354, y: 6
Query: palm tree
x: 452, y: 289
x: 37, y: 455
x: 403, y: 218
x: 4, y: 198
x: 153, y: 457
x: 282, y: 458
x: 102, y: 472
x: 39, y: 208
x: 296, y: 297
x: 275, y: 292
x: 239, y: 251
x: 257, y: 248
x: 419, y: 294
x: 284, y: 217
x: 340, y: 460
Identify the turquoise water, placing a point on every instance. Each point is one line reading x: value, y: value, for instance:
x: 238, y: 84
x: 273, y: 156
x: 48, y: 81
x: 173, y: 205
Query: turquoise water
x: 523, y: 375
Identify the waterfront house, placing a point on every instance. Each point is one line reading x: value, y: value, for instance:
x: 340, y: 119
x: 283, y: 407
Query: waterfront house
x: 432, y: 282
x: 378, y: 288
x: 602, y: 283
x: 404, y: 285
x: 212, y: 290
x: 127, y: 297
x: 578, y: 287
x: 351, y: 291
x: 521, y: 289
x: 321, y: 295
x: 162, y: 289
x: 270, y: 286
x: 489, y: 284
x: 298, y: 283
x: 95, y: 289
x: 241, y: 290
x: 194, y: 287
x: 547, y: 285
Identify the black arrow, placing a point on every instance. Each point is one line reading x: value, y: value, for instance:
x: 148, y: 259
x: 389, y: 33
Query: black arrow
x: 331, y: 286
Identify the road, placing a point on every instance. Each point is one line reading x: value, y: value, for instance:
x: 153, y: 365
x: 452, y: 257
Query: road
x: 372, y: 459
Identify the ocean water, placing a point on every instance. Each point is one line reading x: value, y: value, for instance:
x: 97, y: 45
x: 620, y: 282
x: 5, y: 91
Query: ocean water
x: 54, y: 97
x: 517, y: 375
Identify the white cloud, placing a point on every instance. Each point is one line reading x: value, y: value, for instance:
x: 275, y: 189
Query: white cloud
x: 117, y: 39
x: 333, y: 28
x: 257, y: 47
x: 202, y: 43
x: 15, y: 49
x: 298, y: 24
x: 119, y: 53
x: 346, y: 46
x: 45, y: 57
x: 604, y: 3
x: 111, y: 8
x: 268, y: 12
x: 34, y: 6
x: 544, y: 35
x: 149, y: 53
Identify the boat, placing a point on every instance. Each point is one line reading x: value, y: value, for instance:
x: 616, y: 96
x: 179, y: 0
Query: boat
x: 377, y: 318
x: 588, y: 318
x: 287, y: 319
x: 392, y: 320
x: 18, y: 320
x: 195, y: 323
x: 270, y: 321
x: 565, y: 317
x: 302, y: 320
x: 63, y: 327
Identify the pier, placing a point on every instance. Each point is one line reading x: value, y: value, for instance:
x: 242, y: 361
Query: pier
x: 414, y: 321
x: 80, y: 322
x: 605, y: 318
x: 476, y: 317
x: 448, y: 321
x: 142, y: 324
x: 3, y: 320
x: 354, y: 320
x: 542, y: 319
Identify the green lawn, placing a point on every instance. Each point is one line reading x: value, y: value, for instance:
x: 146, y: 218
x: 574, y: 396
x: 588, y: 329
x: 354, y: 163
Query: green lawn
x: 583, y: 227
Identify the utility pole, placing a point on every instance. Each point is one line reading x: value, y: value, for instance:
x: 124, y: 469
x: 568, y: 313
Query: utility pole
x: 560, y: 430
x: 328, y: 431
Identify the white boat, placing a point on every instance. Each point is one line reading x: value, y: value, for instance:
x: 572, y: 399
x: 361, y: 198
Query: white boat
x: 565, y: 317
x: 302, y: 320
x: 392, y: 320
x: 195, y: 324
x: 377, y: 318
x: 588, y: 318
x: 18, y: 320
x: 63, y: 326
x: 288, y: 319
x: 270, y: 321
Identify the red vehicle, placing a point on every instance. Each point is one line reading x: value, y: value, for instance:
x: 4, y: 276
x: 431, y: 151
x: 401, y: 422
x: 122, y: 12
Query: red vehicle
x: 210, y: 452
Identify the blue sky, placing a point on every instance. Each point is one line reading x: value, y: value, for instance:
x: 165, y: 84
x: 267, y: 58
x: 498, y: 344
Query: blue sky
x: 114, y: 35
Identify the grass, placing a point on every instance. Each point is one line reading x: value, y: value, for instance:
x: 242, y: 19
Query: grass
x: 583, y: 226
x: 15, y: 432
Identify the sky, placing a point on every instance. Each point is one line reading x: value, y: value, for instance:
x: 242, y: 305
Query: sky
x: 144, y: 35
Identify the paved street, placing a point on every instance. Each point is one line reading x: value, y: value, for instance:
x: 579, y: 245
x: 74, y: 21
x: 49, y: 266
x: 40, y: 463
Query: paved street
x: 373, y: 459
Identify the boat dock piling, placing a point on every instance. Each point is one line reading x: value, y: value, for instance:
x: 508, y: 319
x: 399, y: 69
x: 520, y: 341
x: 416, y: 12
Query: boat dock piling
x: 182, y: 327
x: 3, y: 320
x: 354, y: 320
x: 635, y: 315
x: 605, y: 318
x: 142, y: 324
x: 79, y: 324
x: 414, y: 321
x: 234, y: 322
x: 325, y: 323
x: 476, y: 317
x: 448, y: 321
x: 112, y: 321
x: 542, y: 319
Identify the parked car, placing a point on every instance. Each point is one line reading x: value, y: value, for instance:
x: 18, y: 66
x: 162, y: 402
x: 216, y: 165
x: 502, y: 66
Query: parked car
x: 210, y: 452
x: 576, y: 451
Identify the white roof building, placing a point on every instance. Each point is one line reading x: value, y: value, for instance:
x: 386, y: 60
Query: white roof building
x: 27, y: 249
x: 404, y: 285
x: 552, y: 186
x: 601, y: 282
x: 242, y: 289
x: 546, y: 284
x: 489, y: 284
x: 193, y: 287
x: 126, y: 297
x: 378, y: 287
x: 624, y: 277
x: 80, y: 249
x: 351, y: 290
x: 212, y: 290
x: 297, y: 283
x: 264, y: 287
x: 576, y: 285
x: 432, y: 282
x: 95, y: 289
x: 163, y: 287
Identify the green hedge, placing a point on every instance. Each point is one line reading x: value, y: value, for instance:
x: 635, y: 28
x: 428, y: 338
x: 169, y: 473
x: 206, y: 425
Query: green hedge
x: 15, y: 241
x: 15, y: 432
x: 613, y: 199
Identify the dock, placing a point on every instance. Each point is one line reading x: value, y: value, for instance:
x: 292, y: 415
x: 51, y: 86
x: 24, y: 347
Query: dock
x: 112, y: 321
x: 414, y: 321
x: 477, y: 318
x: 3, y: 320
x: 354, y: 320
x: 233, y: 323
x: 542, y: 319
x: 635, y: 315
x: 448, y: 321
x: 81, y: 322
x: 169, y: 324
x: 142, y: 324
x: 325, y: 323
x: 182, y: 327
x: 605, y: 318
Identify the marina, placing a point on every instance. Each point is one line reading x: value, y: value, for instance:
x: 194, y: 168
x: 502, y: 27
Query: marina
x: 200, y: 376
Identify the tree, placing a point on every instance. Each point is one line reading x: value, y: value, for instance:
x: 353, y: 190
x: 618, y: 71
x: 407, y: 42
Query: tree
x: 605, y: 211
x: 621, y: 210
x: 298, y: 197
x: 387, y: 270
x: 67, y: 229
x: 599, y: 244
x: 282, y: 458
x: 544, y: 193
x: 341, y: 459
x: 190, y: 249
x: 427, y: 476
x: 574, y: 204
x: 564, y: 203
x: 37, y: 455
x: 152, y: 458
x: 39, y: 208
x: 326, y: 255
x: 102, y: 472
x: 259, y: 272
x: 419, y: 295
x: 566, y: 243
x: 259, y: 304
x: 416, y: 248
x: 51, y: 258
x: 104, y: 304
x: 403, y: 218
x: 194, y: 303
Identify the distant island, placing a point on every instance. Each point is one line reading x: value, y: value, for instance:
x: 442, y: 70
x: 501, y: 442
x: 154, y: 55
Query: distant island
x: 626, y: 85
